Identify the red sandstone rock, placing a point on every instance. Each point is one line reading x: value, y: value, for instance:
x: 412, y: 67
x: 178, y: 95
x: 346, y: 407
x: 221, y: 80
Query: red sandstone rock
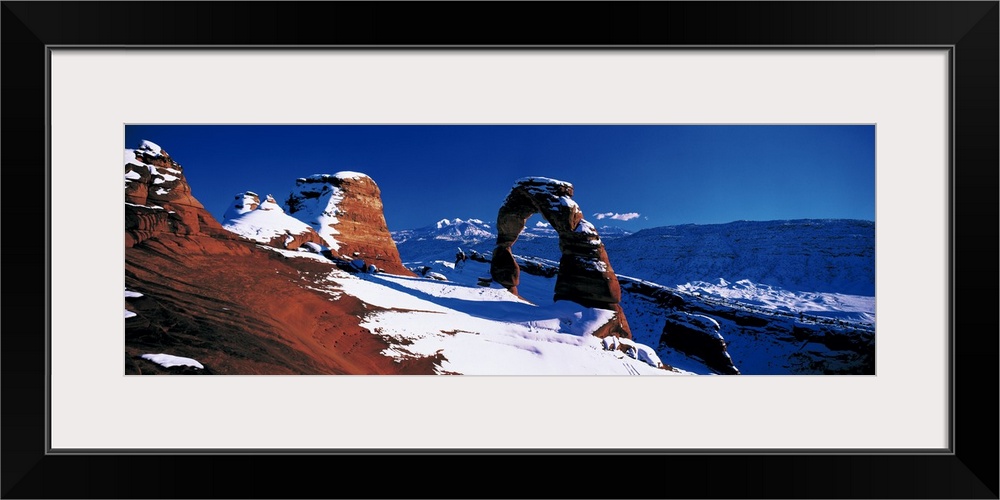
x: 154, y: 181
x: 241, y: 309
x: 585, y: 274
x: 346, y: 210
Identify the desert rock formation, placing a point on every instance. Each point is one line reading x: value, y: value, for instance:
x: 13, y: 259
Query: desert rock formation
x: 158, y: 198
x: 585, y: 274
x: 345, y: 209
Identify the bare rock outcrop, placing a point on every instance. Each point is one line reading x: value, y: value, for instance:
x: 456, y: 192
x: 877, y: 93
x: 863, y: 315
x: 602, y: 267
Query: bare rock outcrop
x: 585, y: 274
x: 345, y: 209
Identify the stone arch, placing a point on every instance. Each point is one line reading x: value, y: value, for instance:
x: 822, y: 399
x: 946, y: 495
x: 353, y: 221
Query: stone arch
x: 585, y: 274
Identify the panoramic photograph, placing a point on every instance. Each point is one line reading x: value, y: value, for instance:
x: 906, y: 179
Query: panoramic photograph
x: 505, y: 250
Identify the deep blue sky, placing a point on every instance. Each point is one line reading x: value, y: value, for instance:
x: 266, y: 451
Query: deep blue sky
x: 668, y: 174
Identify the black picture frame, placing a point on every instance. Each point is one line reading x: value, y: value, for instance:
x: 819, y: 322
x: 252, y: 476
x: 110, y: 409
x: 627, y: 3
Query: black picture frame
x: 970, y: 29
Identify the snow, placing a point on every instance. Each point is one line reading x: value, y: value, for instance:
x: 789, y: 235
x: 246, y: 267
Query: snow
x: 829, y: 305
x: 592, y: 264
x: 827, y: 256
x: 130, y: 158
x: 132, y: 175
x: 168, y: 360
x: 313, y: 247
x: 319, y: 205
x: 154, y: 207
x: 242, y: 203
x: 444, y: 223
x: 486, y: 330
x: 150, y: 147
x: 270, y: 204
x: 542, y: 180
x: 129, y: 294
x: 647, y: 354
x: 566, y: 201
x: 347, y: 175
x: 165, y: 177
x: 489, y: 331
x: 832, y: 260
x: 300, y: 253
x: 588, y: 228
x: 162, y: 191
x: 263, y: 224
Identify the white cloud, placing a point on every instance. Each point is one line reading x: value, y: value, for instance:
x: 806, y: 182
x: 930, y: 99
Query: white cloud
x: 541, y: 224
x: 612, y: 215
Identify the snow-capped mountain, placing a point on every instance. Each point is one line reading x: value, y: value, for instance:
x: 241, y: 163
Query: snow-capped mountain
x: 442, y: 239
x: 456, y: 230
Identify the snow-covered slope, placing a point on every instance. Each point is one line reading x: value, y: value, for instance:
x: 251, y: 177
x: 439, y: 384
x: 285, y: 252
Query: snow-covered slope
x: 484, y: 330
x: 759, y: 339
x: 265, y: 223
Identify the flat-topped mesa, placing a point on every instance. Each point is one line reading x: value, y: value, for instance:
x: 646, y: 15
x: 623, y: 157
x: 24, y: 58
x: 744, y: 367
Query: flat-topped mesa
x: 585, y: 274
x: 158, y: 198
x: 345, y: 209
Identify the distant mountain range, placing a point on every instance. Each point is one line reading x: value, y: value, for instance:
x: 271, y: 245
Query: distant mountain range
x: 441, y: 239
x: 810, y: 255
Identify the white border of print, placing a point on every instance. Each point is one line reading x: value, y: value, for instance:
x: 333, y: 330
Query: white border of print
x: 903, y: 92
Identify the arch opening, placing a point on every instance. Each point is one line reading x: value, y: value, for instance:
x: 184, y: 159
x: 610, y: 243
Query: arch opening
x: 585, y: 274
